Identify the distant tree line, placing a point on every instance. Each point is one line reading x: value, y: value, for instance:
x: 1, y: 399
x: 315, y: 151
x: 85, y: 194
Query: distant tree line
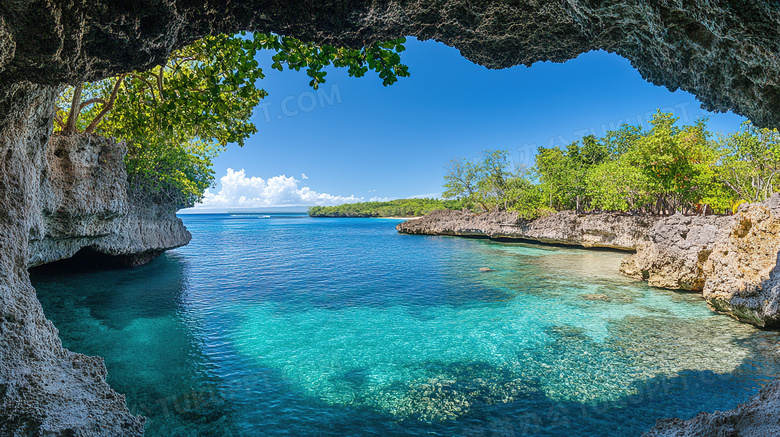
x: 661, y: 170
x: 392, y: 208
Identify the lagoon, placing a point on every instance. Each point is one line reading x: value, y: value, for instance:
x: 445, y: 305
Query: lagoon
x: 281, y: 324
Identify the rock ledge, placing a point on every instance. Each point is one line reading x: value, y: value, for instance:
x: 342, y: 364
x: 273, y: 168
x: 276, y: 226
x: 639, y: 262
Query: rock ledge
x: 84, y: 204
x: 612, y: 231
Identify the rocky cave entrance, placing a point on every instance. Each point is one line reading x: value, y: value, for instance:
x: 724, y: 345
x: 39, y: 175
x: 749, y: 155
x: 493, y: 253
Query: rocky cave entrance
x: 727, y: 54
x: 89, y: 259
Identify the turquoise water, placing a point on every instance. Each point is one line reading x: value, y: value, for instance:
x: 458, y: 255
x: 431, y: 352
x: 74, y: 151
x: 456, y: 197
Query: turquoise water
x: 287, y: 325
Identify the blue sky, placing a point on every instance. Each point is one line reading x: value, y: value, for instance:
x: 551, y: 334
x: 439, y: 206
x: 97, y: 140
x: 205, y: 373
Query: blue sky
x: 355, y: 139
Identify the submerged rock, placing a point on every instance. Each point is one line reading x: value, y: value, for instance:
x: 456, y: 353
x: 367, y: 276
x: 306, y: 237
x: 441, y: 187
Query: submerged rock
x: 596, y: 297
x: 614, y: 231
x: 455, y: 391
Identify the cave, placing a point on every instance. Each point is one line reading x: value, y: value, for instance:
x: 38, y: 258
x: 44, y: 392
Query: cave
x: 727, y: 54
x: 90, y: 259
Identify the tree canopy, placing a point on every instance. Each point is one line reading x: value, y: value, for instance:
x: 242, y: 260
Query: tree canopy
x: 178, y: 116
x: 664, y: 169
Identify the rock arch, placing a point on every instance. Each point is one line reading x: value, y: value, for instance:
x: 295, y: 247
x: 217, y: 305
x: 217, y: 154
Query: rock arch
x: 726, y: 53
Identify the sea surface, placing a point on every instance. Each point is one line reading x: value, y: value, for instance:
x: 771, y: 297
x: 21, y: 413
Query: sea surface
x: 284, y: 325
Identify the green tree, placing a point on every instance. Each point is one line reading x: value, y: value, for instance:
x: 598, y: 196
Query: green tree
x: 553, y: 173
x: 617, y: 186
x: 494, y: 172
x: 751, y: 162
x: 176, y: 117
x: 461, y: 181
x: 526, y: 197
x: 668, y: 168
x: 677, y: 162
x: 619, y: 142
x: 563, y: 173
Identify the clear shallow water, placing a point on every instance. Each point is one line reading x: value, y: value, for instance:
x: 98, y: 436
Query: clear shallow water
x: 286, y: 325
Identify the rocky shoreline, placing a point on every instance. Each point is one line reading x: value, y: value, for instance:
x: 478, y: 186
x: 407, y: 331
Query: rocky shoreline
x: 611, y: 231
x: 731, y: 260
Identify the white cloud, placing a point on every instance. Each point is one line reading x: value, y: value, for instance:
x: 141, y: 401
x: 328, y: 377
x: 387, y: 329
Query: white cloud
x: 240, y: 191
x: 303, y: 176
x: 381, y: 199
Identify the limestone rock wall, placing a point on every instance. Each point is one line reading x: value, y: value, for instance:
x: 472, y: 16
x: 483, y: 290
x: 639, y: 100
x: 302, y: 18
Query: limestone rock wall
x: 84, y: 203
x: 732, y: 260
x: 75, y: 196
x: 614, y: 231
x: 677, y: 250
x: 743, y: 275
x: 44, y: 389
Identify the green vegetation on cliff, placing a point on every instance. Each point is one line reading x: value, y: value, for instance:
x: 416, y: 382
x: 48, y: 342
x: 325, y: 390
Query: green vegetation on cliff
x: 664, y: 169
x: 391, y: 208
x: 178, y: 116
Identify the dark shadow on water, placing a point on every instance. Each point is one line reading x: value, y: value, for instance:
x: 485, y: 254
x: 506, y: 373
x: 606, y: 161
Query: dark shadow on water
x: 116, y: 296
x: 275, y: 409
x: 88, y: 259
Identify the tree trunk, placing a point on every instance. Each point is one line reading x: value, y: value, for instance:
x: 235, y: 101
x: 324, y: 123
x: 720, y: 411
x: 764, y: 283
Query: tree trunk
x: 75, y: 109
x: 109, y: 105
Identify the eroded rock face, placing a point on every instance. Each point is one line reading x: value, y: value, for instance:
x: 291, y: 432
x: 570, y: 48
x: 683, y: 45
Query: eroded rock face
x: 743, y: 275
x: 614, y: 231
x: 84, y: 203
x: 732, y: 260
x: 44, y: 389
x: 725, y: 53
x: 75, y: 196
x: 677, y: 250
